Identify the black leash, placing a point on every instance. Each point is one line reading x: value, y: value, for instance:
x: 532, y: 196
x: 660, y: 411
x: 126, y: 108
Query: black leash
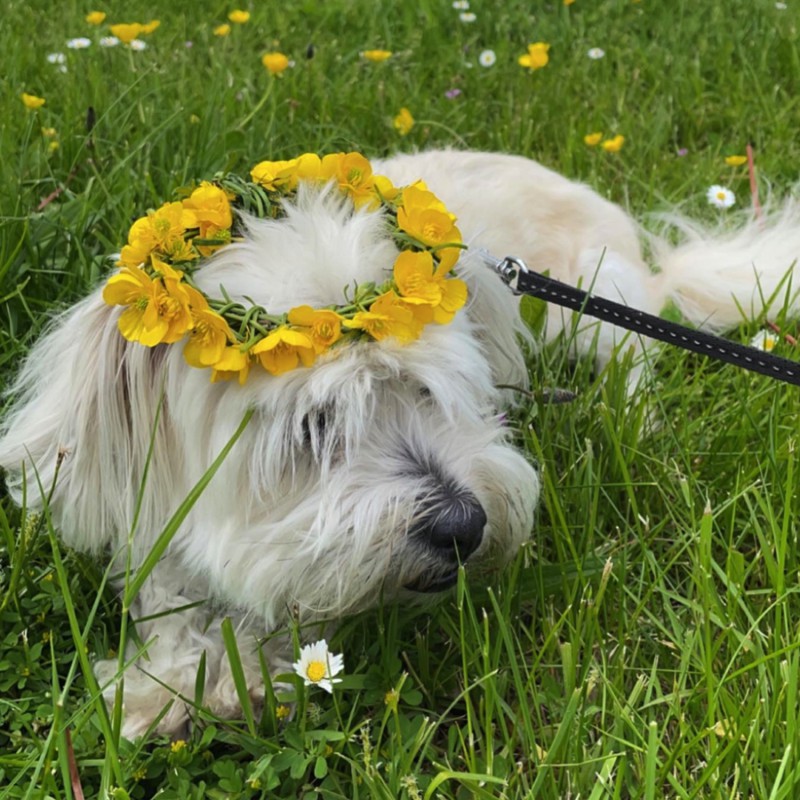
x: 523, y: 280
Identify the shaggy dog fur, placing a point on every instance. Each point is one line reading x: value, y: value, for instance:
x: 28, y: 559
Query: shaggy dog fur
x: 370, y: 475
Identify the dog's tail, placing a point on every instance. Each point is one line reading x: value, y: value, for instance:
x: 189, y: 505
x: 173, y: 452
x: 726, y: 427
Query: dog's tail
x: 719, y: 278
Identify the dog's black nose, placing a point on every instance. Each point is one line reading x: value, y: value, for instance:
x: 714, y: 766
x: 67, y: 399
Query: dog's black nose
x: 455, y: 531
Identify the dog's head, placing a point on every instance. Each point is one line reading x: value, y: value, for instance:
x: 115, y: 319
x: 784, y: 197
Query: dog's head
x: 374, y: 472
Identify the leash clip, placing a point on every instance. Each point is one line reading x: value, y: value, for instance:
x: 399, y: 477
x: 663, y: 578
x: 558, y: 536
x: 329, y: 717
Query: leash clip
x: 509, y: 269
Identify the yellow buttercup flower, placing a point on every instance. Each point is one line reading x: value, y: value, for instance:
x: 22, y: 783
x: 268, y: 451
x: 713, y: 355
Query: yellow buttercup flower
x: 211, y: 209
x: 283, y: 349
x: 322, y: 327
x: 593, y: 139
x: 377, y: 55
x: 126, y: 32
x: 157, y: 311
x: 275, y: 175
x: 31, y: 101
x: 353, y: 173
x: 222, y: 30
x: 387, y: 316
x: 736, y: 161
x: 96, y: 17
x: 536, y: 57
x: 239, y: 17
x: 233, y: 364
x: 209, y: 337
x: 276, y: 63
x: 436, y: 297
x: 150, y: 26
x: 613, y: 145
x: 428, y: 224
x: 403, y: 122
x: 160, y: 230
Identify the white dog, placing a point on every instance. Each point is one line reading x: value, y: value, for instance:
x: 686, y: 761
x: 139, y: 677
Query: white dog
x: 369, y: 475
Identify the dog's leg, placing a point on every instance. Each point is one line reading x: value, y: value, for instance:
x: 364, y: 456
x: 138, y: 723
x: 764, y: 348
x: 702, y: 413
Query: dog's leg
x: 172, y: 634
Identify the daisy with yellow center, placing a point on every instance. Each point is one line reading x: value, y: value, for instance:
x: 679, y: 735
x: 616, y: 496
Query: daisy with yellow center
x: 317, y: 666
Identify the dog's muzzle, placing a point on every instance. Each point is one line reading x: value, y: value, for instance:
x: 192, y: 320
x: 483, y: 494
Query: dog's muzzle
x: 451, y: 533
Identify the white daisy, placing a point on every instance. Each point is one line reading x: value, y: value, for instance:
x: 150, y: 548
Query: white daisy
x: 720, y: 197
x: 56, y: 58
x: 138, y: 44
x: 460, y: 5
x: 81, y: 43
x: 109, y: 41
x: 487, y: 58
x: 781, y: 6
x: 317, y: 666
x: 596, y: 52
x: 467, y: 16
x: 764, y: 340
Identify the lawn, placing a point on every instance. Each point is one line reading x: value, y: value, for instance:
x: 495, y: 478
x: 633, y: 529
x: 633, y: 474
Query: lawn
x: 646, y: 642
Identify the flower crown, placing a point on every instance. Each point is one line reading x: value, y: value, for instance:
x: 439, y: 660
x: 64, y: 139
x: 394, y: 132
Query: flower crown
x: 166, y: 247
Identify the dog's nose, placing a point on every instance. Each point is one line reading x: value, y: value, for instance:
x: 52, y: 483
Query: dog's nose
x: 456, y: 531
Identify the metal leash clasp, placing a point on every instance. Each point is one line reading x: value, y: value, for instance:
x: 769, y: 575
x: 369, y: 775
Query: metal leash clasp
x: 509, y: 269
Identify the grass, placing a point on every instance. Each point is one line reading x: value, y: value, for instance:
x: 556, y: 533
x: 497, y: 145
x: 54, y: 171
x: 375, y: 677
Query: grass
x: 645, y: 644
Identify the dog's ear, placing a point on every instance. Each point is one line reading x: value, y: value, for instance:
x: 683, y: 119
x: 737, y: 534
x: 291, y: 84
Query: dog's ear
x: 495, y: 311
x: 82, y: 415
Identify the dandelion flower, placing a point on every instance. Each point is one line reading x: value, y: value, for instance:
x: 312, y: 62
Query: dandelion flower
x: 81, y: 43
x: 96, y: 17
x: 467, y: 16
x: 536, y: 57
x: 736, y: 161
x: 317, y: 666
x: 460, y: 5
x: 56, y: 58
x: 31, y: 101
x: 276, y: 63
x: 613, y: 145
x: 239, y: 17
x: 764, y: 340
x: 596, y: 53
x: 593, y: 139
x: 109, y: 41
x: 487, y: 58
x: 720, y: 197
x: 222, y: 30
x: 376, y: 55
x: 403, y: 122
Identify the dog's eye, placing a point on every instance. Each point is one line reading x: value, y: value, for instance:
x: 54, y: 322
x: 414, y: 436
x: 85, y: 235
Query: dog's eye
x: 424, y: 392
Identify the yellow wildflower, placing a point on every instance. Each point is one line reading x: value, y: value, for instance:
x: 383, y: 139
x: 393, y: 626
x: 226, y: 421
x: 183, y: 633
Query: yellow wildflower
x: 233, y: 364
x: 155, y: 313
x: 222, y: 30
x: 353, y: 173
x: 593, y: 139
x: 31, y: 101
x: 177, y: 745
x: 150, y: 26
x: 376, y: 55
x: 434, y: 297
x: 427, y: 221
x: 49, y: 133
x: 209, y: 335
x: 568, y: 2
x: 387, y: 316
x: 211, y: 208
x: 323, y: 327
x: 736, y: 161
x: 96, y: 17
x: 613, y: 145
x: 536, y: 57
x: 126, y: 32
x: 403, y: 122
x: 275, y: 175
x: 160, y: 230
x: 239, y: 17
x: 283, y: 711
x: 282, y: 350
x: 276, y: 63
x: 53, y: 146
